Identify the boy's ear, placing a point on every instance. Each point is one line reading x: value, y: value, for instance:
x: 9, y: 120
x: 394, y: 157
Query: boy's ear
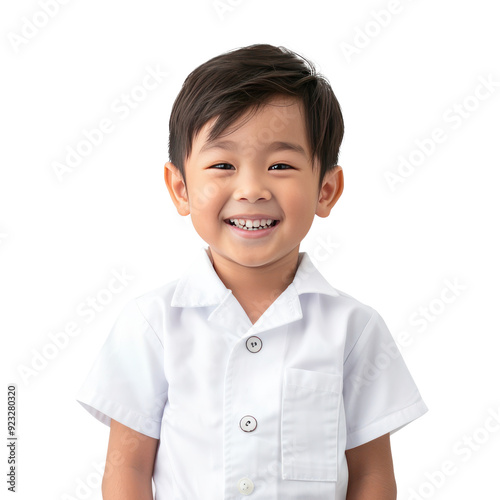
x: 176, y: 188
x: 333, y: 185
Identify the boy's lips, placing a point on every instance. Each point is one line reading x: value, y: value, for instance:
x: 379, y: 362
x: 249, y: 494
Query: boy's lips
x: 261, y: 221
x: 249, y: 231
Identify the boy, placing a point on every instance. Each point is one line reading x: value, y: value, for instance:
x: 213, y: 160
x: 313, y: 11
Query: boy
x: 251, y: 375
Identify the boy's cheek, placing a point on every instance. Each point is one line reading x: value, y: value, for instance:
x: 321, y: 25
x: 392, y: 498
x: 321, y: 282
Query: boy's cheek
x: 201, y: 198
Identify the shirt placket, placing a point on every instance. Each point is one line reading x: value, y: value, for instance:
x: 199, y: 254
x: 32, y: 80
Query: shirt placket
x: 252, y: 396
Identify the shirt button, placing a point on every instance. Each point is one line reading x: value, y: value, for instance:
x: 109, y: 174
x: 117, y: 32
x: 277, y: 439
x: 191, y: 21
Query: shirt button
x: 254, y: 344
x: 245, y: 486
x: 248, y: 423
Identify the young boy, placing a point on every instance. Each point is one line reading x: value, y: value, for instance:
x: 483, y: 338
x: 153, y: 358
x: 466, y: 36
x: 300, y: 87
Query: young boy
x: 251, y: 375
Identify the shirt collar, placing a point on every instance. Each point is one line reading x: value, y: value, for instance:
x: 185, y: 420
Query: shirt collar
x: 201, y: 286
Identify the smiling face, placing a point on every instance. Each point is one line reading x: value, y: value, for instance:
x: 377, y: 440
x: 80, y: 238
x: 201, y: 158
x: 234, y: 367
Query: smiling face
x: 259, y: 173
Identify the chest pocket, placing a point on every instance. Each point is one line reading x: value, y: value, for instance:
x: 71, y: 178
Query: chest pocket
x: 309, y: 425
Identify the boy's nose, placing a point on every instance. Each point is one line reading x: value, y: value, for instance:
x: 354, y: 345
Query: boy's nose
x: 251, y: 188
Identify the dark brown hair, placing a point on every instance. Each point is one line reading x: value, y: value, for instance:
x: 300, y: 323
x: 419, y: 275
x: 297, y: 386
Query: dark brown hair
x: 246, y: 78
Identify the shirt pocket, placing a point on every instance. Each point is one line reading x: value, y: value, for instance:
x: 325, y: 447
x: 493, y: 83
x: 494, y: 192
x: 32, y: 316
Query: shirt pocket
x: 309, y: 425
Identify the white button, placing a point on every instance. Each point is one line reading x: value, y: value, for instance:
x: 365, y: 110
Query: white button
x: 245, y: 486
x: 248, y: 423
x: 254, y: 344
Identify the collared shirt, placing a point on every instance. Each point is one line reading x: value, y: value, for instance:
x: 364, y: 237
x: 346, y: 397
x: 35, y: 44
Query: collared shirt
x: 264, y: 410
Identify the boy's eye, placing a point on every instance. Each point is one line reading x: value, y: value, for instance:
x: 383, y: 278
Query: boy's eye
x: 281, y: 165
x: 221, y: 166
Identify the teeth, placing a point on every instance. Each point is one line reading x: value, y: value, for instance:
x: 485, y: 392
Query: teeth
x: 251, y: 225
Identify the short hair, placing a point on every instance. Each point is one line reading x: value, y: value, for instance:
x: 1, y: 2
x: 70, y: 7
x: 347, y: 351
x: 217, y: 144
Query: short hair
x: 228, y: 85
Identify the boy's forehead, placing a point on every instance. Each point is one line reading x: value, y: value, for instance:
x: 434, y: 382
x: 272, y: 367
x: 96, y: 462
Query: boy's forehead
x: 281, y: 122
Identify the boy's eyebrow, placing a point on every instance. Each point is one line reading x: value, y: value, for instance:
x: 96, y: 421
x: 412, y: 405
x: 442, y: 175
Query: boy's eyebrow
x: 274, y: 146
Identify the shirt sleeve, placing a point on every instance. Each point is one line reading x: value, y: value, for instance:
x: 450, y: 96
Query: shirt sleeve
x: 380, y: 395
x: 127, y: 380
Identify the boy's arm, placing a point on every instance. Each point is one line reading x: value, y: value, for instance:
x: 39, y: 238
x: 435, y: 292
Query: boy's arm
x: 371, y: 472
x: 129, y: 464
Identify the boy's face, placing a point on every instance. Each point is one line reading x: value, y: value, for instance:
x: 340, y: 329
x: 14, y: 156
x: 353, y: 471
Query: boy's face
x: 251, y: 174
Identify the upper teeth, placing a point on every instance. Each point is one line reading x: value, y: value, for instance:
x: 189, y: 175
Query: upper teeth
x: 252, y: 223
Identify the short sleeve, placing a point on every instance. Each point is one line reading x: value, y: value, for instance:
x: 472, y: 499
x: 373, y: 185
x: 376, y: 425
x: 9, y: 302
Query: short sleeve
x: 127, y: 380
x: 380, y: 395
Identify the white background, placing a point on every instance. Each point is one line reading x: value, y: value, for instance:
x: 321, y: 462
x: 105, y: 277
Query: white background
x: 396, y: 250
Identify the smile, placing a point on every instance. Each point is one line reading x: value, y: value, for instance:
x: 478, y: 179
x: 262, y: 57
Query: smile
x: 252, y: 225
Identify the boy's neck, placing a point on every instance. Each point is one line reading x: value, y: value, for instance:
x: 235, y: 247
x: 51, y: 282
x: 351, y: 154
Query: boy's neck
x: 256, y: 288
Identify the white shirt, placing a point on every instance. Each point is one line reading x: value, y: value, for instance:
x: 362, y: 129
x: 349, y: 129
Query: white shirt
x: 264, y: 410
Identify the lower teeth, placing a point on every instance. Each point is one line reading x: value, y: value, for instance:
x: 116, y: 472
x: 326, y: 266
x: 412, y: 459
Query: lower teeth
x: 251, y: 228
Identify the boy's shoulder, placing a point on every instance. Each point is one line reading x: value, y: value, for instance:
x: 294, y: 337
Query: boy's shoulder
x: 348, y: 309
